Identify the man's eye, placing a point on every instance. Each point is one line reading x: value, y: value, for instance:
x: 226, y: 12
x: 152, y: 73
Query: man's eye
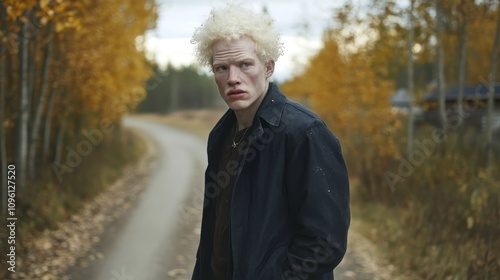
x: 245, y: 65
x: 220, y: 68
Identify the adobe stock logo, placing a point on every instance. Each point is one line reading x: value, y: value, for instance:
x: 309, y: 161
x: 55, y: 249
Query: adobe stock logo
x: 83, y: 148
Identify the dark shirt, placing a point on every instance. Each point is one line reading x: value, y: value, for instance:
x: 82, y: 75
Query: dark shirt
x: 229, y: 159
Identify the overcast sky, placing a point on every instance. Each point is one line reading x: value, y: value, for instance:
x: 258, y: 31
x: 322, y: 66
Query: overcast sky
x: 301, y: 23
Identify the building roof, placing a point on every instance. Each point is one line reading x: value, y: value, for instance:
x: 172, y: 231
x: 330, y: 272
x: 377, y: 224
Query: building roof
x: 479, y: 91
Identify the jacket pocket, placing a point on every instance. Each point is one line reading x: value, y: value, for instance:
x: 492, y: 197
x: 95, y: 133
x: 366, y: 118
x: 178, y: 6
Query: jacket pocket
x: 270, y: 266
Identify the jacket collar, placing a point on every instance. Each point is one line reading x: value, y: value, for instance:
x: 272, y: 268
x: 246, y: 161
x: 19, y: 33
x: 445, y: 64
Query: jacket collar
x: 271, y: 108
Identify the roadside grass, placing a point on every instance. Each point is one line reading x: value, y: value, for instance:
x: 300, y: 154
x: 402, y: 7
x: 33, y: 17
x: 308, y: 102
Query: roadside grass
x: 382, y: 226
x: 51, y: 201
x: 439, y: 222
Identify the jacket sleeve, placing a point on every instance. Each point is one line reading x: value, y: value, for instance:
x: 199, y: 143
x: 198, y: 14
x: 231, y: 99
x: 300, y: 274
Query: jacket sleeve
x: 318, y: 193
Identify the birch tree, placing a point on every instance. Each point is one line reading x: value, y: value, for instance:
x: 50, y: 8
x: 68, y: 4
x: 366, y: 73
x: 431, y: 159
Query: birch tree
x: 84, y: 48
x: 440, y: 67
x: 24, y: 104
x: 411, y: 90
x: 462, y: 61
x: 491, y: 95
x: 47, y: 128
x: 37, y: 118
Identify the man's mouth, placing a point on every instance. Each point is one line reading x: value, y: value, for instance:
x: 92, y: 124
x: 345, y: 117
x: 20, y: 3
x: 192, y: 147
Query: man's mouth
x: 235, y: 92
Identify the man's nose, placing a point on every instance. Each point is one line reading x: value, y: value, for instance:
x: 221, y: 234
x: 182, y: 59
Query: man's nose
x: 234, y: 76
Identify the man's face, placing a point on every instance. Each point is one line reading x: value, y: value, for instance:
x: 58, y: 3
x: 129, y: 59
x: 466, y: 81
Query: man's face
x: 240, y: 74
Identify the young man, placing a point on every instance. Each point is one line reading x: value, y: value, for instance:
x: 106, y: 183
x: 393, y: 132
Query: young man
x: 276, y: 191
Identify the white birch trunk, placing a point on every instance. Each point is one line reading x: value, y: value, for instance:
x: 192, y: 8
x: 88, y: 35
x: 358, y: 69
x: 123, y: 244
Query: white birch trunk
x: 461, y: 71
x: 37, y: 118
x: 440, y: 68
x: 24, y: 107
x: 410, y: 93
x: 48, y: 123
x: 491, y: 99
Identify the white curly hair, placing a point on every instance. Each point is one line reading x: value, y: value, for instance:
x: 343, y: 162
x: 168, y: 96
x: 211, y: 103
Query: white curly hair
x: 231, y: 23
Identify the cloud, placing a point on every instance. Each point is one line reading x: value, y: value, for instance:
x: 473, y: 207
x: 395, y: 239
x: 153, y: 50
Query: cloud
x: 176, y: 51
x: 301, y: 23
x: 178, y: 19
x: 179, y: 52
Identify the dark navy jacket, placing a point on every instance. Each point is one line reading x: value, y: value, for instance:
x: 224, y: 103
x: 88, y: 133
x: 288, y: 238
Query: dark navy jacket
x: 290, y: 204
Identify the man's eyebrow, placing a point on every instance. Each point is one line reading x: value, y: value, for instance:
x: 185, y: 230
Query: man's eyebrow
x: 218, y: 63
x: 244, y: 60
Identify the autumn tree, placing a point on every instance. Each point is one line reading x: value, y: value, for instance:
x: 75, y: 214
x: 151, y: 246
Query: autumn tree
x: 411, y: 77
x: 76, y: 63
x: 442, y: 200
x: 24, y: 100
x: 345, y: 91
x: 491, y: 94
x: 374, y: 37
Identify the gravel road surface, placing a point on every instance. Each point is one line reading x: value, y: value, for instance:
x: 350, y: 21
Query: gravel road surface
x: 139, y: 245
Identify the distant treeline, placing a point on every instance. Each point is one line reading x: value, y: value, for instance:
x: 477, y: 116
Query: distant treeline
x: 179, y: 88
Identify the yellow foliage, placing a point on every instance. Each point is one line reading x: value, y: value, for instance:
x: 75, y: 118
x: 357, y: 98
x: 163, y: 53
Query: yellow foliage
x: 44, y: 4
x: 96, y: 69
x: 345, y: 91
x: 106, y: 68
x: 442, y: 199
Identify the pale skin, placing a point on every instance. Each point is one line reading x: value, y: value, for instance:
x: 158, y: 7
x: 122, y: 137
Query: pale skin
x: 241, y: 76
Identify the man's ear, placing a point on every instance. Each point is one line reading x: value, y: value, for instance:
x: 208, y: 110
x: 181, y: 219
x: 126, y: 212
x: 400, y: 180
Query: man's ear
x: 269, y: 68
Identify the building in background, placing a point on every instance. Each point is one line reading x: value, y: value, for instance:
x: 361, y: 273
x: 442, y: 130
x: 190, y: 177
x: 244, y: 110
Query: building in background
x: 474, y: 104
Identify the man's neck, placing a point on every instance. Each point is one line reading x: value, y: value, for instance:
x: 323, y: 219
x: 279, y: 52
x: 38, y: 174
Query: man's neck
x: 244, y: 120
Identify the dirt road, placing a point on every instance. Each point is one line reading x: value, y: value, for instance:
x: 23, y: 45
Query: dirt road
x: 140, y: 244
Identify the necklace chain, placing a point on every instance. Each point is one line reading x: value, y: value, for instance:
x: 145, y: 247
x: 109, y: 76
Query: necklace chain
x: 235, y: 144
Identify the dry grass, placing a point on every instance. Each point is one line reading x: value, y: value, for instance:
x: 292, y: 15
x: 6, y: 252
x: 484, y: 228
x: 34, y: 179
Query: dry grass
x: 441, y: 221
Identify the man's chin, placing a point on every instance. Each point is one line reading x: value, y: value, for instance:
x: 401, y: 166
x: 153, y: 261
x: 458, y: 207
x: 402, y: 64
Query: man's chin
x: 238, y: 105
